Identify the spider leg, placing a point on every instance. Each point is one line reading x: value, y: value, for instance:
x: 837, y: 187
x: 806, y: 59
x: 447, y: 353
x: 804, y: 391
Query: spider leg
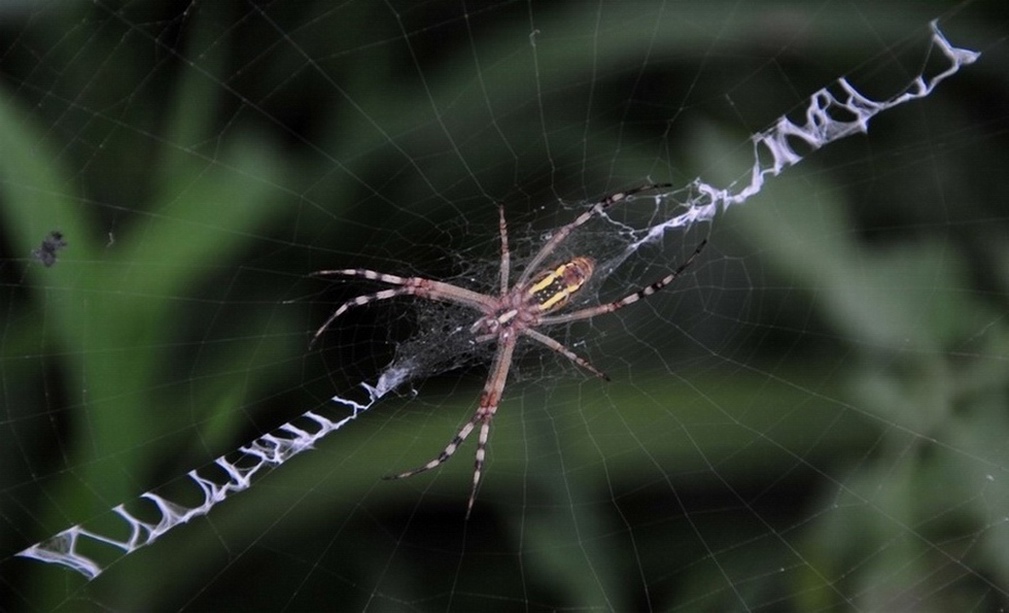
x: 360, y: 300
x: 409, y: 286
x: 447, y: 453
x: 626, y: 300
x: 505, y: 253
x: 489, y: 401
x: 564, y: 351
x: 561, y: 234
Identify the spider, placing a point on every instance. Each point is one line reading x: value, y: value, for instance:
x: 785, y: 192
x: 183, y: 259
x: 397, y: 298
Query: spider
x: 517, y: 311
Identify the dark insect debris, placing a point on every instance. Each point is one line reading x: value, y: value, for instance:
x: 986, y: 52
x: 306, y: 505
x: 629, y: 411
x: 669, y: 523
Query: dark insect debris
x: 46, y: 253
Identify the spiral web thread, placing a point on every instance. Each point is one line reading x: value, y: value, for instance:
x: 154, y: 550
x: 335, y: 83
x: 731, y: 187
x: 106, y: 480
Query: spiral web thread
x: 829, y: 117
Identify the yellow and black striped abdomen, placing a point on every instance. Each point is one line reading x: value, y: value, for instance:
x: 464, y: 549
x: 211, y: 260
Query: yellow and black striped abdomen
x: 552, y: 290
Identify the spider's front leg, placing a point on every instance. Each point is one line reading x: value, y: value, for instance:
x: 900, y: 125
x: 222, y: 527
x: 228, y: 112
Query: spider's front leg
x: 562, y: 233
x: 407, y: 286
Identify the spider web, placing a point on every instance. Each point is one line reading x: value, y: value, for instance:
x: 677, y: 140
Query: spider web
x: 813, y: 417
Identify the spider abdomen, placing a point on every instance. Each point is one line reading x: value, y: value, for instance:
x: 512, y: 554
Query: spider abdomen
x: 554, y: 289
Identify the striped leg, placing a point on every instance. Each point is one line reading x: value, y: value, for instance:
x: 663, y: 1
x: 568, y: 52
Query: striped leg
x: 564, y: 351
x: 409, y: 286
x: 505, y: 253
x: 447, y: 453
x: 564, y: 231
x: 489, y: 401
x: 626, y: 300
x: 365, y: 299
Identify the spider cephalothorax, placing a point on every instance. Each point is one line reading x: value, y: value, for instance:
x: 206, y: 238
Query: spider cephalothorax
x: 517, y: 311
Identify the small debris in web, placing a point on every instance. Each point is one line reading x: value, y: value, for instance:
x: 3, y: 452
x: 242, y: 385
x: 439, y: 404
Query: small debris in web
x: 46, y: 253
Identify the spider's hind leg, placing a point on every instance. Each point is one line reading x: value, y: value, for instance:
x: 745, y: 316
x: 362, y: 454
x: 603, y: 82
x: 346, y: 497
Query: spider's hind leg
x: 482, y: 417
x: 444, y: 456
x: 489, y: 401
